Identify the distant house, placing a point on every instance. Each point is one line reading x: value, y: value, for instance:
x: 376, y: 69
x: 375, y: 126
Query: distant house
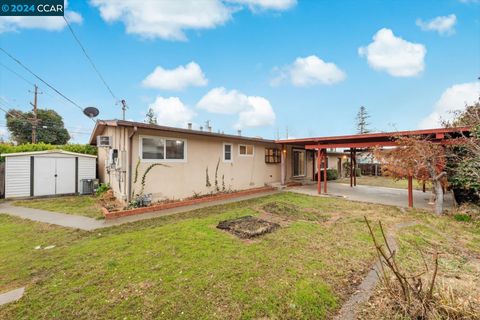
x: 194, y: 162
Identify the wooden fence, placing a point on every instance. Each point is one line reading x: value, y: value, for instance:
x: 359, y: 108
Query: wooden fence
x: 370, y: 169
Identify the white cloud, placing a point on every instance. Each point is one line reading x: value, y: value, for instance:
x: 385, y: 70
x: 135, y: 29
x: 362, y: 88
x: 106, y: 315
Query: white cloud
x: 171, y: 112
x: 53, y: 23
x: 219, y: 100
x: 170, y: 19
x: 309, y: 71
x: 252, y: 111
x: 267, y: 4
x: 176, y: 79
x: 444, y: 25
x: 452, y: 99
x: 394, y: 55
x: 259, y: 114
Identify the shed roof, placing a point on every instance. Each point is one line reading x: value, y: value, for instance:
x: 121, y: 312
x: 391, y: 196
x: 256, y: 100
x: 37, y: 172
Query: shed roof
x: 32, y: 153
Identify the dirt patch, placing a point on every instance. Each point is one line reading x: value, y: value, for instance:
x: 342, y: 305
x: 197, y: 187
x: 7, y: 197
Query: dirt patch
x: 292, y: 212
x: 247, y: 227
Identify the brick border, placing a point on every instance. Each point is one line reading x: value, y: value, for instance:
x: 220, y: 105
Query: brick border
x: 130, y: 212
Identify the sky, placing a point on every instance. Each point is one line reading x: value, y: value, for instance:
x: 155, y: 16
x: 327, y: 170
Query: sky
x: 270, y: 68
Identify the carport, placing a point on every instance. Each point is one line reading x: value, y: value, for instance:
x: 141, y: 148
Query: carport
x: 364, y: 142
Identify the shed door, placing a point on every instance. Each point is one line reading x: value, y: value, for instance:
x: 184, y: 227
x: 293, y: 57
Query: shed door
x: 53, y: 176
x: 44, y: 176
x: 65, y: 175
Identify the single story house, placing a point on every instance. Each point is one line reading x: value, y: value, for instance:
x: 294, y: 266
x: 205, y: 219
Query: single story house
x: 183, y: 162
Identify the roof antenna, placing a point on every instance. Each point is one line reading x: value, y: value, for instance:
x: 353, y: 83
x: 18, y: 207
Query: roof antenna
x: 124, y: 108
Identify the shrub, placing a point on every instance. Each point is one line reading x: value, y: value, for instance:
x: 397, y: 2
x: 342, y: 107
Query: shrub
x: 462, y: 217
x: 332, y: 174
x: 28, y: 147
x: 102, y: 188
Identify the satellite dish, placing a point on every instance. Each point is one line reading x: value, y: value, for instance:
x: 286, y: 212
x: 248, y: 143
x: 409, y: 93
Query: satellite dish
x: 91, y: 112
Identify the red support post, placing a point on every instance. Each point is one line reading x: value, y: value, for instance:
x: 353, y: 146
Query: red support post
x: 410, y: 191
x: 351, y: 166
x: 325, y: 170
x: 355, y: 168
x: 423, y: 187
x: 319, y: 184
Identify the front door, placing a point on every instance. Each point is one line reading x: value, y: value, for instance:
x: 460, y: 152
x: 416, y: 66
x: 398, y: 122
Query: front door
x: 299, y: 163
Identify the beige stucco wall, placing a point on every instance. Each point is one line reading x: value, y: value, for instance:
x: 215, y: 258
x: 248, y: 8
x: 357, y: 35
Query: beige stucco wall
x: 181, y: 179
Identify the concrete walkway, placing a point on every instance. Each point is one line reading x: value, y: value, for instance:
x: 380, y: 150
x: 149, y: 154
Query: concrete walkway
x: 11, y: 296
x: 89, y: 224
x: 371, y: 194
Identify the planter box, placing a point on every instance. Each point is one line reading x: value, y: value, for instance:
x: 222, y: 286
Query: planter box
x: 158, y: 207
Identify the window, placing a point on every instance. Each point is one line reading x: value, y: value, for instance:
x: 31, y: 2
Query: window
x: 245, y: 150
x: 299, y: 163
x: 227, y: 152
x: 272, y: 155
x: 155, y: 148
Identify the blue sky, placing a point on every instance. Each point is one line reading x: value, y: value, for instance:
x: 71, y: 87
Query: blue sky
x: 256, y: 65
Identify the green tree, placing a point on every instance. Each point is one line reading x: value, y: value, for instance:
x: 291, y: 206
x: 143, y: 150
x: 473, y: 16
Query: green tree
x: 362, y: 124
x: 50, y: 127
x: 151, y: 118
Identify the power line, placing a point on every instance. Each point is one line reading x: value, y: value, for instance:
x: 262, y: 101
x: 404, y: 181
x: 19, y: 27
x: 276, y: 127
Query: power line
x: 45, y: 82
x: 17, y: 74
x: 91, y: 61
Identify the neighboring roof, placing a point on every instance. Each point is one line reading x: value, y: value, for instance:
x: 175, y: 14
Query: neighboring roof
x: 101, y: 124
x: 32, y: 153
x: 372, y: 138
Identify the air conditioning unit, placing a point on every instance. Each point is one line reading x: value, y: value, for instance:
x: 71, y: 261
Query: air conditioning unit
x: 104, y: 141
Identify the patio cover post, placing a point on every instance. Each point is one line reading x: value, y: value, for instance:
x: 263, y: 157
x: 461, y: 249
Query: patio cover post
x: 410, y: 191
x: 319, y: 184
x: 325, y: 170
x: 351, y: 166
x: 355, y: 167
x: 282, y: 165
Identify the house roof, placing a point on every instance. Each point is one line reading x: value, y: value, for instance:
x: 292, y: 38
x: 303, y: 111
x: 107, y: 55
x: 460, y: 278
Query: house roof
x: 32, y: 153
x: 101, y: 124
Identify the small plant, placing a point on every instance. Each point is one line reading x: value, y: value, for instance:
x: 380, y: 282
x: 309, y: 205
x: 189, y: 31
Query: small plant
x: 217, y: 189
x: 102, y: 188
x: 135, y: 178
x: 207, y: 178
x: 141, y: 200
x: 223, y: 183
x: 462, y: 217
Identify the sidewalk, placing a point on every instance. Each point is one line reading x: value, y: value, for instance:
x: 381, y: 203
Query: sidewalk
x: 89, y: 224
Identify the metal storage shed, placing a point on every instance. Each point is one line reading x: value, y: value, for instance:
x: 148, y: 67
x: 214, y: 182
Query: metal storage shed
x: 45, y: 173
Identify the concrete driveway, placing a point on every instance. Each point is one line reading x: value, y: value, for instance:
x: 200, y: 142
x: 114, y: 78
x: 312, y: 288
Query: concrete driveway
x: 380, y: 195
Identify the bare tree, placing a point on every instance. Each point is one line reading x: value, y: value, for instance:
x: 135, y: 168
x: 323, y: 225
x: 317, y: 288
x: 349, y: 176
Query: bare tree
x: 362, y: 123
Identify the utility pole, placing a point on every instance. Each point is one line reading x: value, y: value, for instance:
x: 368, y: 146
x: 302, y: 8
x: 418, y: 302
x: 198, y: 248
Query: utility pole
x: 124, y: 108
x: 35, y: 119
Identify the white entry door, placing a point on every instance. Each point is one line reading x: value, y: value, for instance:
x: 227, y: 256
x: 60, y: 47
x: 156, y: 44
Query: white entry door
x: 53, y: 176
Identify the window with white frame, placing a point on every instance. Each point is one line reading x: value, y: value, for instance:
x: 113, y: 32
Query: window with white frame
x: 156, y: 148
x: 227, y: 152
x: 245, y: 150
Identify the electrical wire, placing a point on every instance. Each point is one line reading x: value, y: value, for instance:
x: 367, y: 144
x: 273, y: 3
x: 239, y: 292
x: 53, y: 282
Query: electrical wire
x: 91, y: 61
x: 42, y: 80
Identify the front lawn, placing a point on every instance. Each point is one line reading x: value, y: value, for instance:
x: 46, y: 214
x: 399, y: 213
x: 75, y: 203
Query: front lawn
x: 80, y: 205
x: 182, y: 266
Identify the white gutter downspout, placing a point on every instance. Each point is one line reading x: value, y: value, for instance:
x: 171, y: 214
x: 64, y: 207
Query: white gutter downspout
x: 130, y: 158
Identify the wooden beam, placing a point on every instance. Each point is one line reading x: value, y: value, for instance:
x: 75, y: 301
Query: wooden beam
x: 352, y: 145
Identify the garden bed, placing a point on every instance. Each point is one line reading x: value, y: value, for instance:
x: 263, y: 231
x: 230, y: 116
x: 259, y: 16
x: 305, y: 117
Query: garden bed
x: 247, y: 227
x: 182, y: 203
